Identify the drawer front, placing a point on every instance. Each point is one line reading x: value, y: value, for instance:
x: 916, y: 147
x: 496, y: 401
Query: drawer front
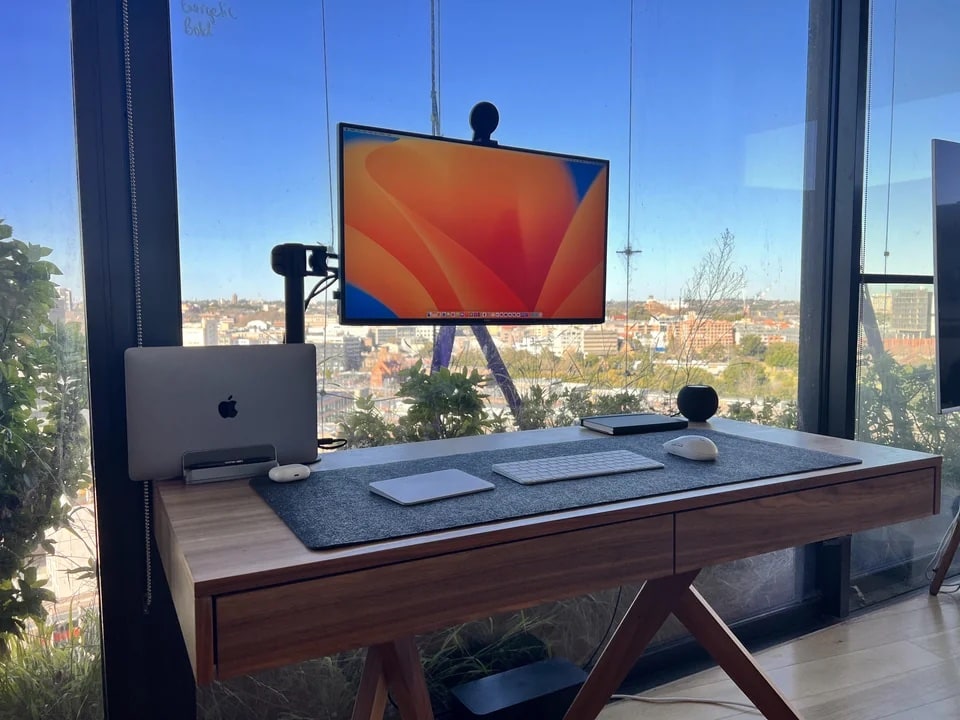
x: 729, y: 532
x: 298, y: 621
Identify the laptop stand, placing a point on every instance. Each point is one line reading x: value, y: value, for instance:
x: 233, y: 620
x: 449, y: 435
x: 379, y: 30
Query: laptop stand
x: 228, y: 463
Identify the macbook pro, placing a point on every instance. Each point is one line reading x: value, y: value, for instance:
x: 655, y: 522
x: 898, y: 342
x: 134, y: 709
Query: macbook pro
x: 191, y: 399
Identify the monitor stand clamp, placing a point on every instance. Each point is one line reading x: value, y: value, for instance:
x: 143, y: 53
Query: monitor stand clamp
x: 295, y: 262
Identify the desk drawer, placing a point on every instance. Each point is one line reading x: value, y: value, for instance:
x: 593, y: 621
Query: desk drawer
x: 298, y: 621
x: 737, y: 530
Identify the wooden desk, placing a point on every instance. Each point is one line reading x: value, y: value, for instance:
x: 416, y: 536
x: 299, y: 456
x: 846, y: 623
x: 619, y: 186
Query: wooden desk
x: 250, y: 596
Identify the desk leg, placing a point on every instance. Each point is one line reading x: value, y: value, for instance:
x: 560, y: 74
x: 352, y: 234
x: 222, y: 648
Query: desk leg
x: 372, y: 692
x: 707, y: 627
x: 649, y: 610
x: 655, y: 601
x: 946, y: 558
x: 394, y: 665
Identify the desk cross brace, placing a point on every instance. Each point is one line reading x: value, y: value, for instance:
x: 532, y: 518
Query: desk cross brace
x: 396, y: 665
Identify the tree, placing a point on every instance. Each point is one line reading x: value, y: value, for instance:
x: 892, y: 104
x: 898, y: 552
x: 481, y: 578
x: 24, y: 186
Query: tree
x: 782, y: 355
x: 44, y: 445
x: 692, y: 376
x: 443, y: 404
x: 744, y: 379
x: 752, y: 346
x: 711, y: 293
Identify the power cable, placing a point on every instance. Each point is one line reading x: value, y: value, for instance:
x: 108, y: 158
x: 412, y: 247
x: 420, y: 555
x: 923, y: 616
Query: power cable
x: 137, y: 280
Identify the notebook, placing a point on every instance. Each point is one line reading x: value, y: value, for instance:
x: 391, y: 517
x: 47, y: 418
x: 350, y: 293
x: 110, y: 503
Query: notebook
x: 630, y: 423
x: 191, y: 399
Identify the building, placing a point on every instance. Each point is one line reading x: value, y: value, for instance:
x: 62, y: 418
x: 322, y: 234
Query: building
x: 695, y: 334
x: 911, y: 313
x: 211, y: 331
x: 193, y: 334
x: 599, y: 342
x: 63, y: 309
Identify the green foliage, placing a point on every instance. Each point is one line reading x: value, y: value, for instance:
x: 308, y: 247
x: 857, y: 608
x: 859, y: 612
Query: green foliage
x: 443, y: 404
x: 43, y: 435
x: 782, y: 355
x: 740, y: 411
x: 475, y: 650
x: 672, y: 381
x: 43, y: 679
x: 575, y: 403
x: 541, y: 409
x: 752, y: 346
x: 619, y: 402
x: 743, y: 379
x: 365, y: 426
x: 897, y: 406
x: 537, y: 408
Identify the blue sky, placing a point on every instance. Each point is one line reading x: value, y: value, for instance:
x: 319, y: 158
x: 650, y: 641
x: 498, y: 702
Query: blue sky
x: 719, y: 93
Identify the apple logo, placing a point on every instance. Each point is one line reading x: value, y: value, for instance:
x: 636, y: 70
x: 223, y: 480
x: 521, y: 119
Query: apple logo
x: 228, y: 407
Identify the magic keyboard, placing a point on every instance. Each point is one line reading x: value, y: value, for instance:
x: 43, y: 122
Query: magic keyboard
x: 570, y: 467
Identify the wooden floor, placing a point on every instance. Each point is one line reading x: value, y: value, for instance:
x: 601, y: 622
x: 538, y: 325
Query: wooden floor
x: 900, y: 662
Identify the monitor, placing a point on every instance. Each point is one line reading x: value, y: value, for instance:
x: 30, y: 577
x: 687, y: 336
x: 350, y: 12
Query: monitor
x: 442, y: 231
x: 946, y: 271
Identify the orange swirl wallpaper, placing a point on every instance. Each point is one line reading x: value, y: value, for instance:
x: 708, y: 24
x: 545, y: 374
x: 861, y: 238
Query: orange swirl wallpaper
x: 448, y: 231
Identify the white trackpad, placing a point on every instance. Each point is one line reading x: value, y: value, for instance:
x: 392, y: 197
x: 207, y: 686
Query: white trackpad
x: 425, y: 487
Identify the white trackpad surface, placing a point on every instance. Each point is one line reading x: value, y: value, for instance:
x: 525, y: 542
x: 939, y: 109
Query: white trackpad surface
x: 426, y: 487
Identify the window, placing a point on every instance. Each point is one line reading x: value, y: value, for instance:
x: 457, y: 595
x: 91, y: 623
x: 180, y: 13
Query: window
x: 706, y: 147
x: 45, y: 473
x: 913, y: 98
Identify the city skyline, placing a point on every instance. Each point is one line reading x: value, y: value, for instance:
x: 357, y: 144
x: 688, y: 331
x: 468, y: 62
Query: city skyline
x: 718, y: 139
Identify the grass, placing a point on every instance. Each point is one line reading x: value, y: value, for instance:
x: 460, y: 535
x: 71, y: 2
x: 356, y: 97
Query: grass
x: 43, y: 680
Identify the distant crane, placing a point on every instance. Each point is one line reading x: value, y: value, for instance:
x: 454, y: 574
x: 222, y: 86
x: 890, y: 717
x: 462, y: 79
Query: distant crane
x: 628, y: 252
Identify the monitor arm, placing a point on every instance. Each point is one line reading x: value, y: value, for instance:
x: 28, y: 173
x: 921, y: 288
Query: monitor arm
x: 295, y: 262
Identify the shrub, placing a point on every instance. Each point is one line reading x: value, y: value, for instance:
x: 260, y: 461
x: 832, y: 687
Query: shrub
x: 46, y: 679
x: 43, y: 436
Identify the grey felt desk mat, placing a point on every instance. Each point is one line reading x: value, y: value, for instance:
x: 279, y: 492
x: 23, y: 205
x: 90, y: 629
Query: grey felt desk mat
x: 335, y: 507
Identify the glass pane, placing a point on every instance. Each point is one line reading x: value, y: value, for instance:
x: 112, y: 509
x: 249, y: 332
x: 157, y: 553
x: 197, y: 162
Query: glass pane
x: 914, y: 98
x: 51, y: 667
x: 706, y: 147
x: 896, y: 405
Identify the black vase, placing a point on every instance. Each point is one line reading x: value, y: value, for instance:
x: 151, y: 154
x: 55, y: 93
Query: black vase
x: 697, y: 402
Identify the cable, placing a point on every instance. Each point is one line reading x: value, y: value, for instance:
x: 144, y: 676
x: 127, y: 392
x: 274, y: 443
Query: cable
x: 326, y: 110
x: 435, y: 126
x: 696, y: 701
x: 893, y: 92
x: 327, y: 443
x: 628, y: 252
x: 137, y: 279
x: 321, y: 286
x: 613, y: 617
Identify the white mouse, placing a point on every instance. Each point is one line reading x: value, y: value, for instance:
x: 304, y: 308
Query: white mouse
x: 288, y: 473
x: 692, y: 447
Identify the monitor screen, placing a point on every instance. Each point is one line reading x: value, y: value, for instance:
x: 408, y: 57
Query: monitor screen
x: 440, y: 231
x: 946, y: 273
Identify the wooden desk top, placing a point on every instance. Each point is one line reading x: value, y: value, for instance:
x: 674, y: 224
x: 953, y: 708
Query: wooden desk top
x: 222, y: 540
